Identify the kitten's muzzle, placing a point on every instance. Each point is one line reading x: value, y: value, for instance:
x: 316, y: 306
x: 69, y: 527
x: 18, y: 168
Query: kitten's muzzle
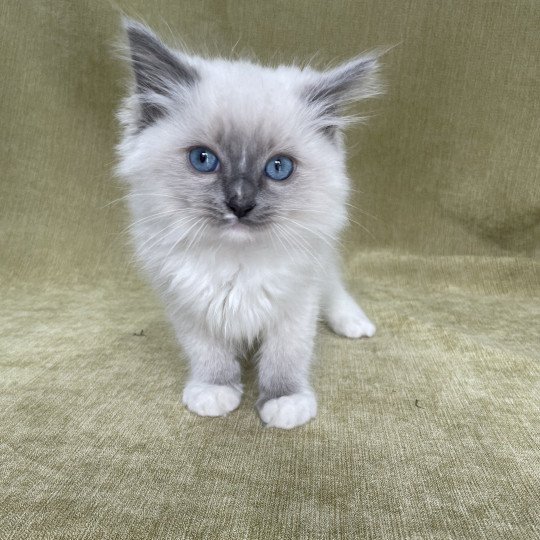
x: 241, y: 207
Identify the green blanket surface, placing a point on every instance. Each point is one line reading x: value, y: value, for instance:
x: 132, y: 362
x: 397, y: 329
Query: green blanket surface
x: 431, y: 429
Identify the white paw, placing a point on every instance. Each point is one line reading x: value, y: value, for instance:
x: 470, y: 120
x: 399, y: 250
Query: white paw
x: 346, y: 318
x: 211, y: 399
x: 353, y: 326
x: 287, y: 412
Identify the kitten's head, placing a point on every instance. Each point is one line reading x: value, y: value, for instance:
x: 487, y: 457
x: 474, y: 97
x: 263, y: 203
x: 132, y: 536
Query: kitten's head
x: 235, y: 151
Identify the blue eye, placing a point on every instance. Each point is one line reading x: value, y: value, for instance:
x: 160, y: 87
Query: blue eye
x: 279, y: 168
x: 203, y: 160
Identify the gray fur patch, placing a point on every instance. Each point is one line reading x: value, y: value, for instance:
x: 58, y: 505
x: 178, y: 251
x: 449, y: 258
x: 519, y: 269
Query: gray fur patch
x: 275, y: 389
x: 342, y: 83
x: 241, y: 176
x: 338, y: 87
x: 156, y: 68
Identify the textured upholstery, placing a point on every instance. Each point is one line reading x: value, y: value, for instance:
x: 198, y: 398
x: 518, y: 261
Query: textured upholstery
x: 431, y: 429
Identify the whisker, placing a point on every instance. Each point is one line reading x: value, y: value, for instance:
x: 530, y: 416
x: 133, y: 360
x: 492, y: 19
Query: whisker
x: 179, y: 222
x: 300, y: 243
x: 146, y: 219
x: 155, y: 217
x: 362, y: 211
x: 183, y: 236
x: 164, y: 278
x: 315, y: 211
x: 320, y: 234
x: 281, y: 241
x: 142, y: 194
x: 116, y: 200
x: 362, y: 227
x: 191, y: 243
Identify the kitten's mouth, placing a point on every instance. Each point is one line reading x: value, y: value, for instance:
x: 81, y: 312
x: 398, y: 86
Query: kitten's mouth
x: 231, y: 222
x: 240, y: 228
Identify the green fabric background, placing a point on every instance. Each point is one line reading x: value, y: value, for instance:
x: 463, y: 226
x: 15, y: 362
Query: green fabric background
x: 429, y: 430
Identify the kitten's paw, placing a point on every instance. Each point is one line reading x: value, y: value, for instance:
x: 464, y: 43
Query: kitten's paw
x: 353, y: 326
x: 211, y: 399
x: 350, y: 321
x: 287, y: 412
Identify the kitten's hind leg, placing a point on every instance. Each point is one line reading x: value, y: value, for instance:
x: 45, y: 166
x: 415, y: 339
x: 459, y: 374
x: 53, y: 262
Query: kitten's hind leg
x: 343, y: 315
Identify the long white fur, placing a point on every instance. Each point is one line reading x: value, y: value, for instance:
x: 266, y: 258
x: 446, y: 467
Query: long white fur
x: 225, y: 289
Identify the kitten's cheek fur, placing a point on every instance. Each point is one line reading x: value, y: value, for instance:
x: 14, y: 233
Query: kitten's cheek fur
x: 288, y: 412
x: 211, y: 399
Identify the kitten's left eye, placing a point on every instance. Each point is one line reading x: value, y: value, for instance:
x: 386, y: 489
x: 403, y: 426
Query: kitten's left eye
x: 279, y: 168
x: 203, y: 160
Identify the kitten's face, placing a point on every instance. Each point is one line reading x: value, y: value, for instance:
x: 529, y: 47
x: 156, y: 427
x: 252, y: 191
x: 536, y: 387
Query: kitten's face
x: 233, y: 150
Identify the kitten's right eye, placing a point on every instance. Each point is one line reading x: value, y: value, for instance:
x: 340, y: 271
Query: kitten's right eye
x: 203, y: 160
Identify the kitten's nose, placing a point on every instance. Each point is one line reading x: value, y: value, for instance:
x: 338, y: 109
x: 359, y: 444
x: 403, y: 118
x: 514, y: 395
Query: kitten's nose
x: 240, y: 207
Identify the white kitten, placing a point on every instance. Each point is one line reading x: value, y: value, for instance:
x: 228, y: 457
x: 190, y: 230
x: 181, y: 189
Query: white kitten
x: 237, y: 190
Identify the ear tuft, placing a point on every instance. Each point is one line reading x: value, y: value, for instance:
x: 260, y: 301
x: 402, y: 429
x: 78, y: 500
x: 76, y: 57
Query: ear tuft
x: 330, y: 92
x: 159, y: 71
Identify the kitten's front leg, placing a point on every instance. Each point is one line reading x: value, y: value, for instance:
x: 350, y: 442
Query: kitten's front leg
x: 214, y: 387
x: 286, y: 399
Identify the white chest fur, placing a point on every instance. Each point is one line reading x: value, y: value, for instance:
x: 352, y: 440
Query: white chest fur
x: 234, y: 295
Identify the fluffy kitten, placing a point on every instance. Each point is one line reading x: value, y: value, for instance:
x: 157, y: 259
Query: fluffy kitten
x: 238, y: 192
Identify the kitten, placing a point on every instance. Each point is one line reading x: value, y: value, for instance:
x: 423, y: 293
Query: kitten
x: 238, y: 192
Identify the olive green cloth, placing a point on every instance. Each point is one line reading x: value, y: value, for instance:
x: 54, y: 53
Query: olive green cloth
x: 431, y: 429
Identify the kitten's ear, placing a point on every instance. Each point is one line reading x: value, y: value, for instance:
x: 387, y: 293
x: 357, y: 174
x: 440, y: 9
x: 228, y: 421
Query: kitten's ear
x: 159, y: 72
x: 330, y: 92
